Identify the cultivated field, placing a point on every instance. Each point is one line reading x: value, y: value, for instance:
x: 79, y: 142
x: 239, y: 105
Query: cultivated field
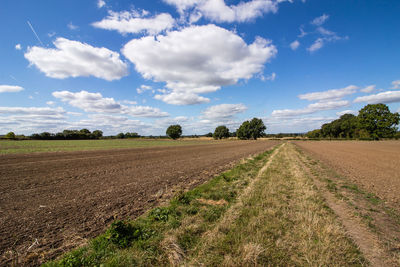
x: 51, y: 202
x: 30, y: 146
x: 375, y: 166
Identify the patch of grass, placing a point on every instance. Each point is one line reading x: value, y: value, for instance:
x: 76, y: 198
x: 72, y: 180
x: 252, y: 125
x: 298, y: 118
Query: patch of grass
x: 31, y: 146
x: 164, y: 234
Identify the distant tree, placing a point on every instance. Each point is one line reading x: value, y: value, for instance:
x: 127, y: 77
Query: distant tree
x: 378, y: 121
x: 10, y: 135
x: 251, y: 129
x: 314, y: 134
x: 209, y: 134
x: 174, y: 131
x: 120, y: 136
x: 221, y: 132
x: 97, y: 134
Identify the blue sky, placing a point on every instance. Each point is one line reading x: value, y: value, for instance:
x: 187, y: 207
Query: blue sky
x: 140, y: 66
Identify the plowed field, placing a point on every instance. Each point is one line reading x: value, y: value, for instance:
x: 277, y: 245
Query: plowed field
x: 52, y: 202
x: 373, y: 165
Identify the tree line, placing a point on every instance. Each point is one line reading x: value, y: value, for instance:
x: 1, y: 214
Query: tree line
x: 374, y: 121
x: 252, y: 129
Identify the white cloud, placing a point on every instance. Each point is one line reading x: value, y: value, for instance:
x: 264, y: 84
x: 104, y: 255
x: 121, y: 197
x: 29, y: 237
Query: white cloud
x: 74, y: 59
x: 384, y: 97
x: 218, y: 11
x: 143, y: 88
x: 10, y: 88
x: 100, y: 3
x: 43, y: 111
x: 320, y: 20
x: 95, y: 102
x: 294, y: 45
x: 223, y: 111
x: 395, y: 84
x: 133, y: 22
x: 72, y: 27
x: 311, y: 108
x: 50, y: 103
x: 89, y: 102
x: 18, y: 46
x: 190, y: 67
x: 318, y: 44
x: 182, y: 98
x: 368, y: 89
x: 348, y: 111
x: 330, y: 94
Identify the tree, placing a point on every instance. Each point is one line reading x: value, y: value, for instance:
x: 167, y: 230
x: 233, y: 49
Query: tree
x: 174, y: 131
x: 378, y: 121
x: 120, y: 136
x: 221, y: 132
x: 97, y: 134
x: 10, y: 135
x: 251, y: 129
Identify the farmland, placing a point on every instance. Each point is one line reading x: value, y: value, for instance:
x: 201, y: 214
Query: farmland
x: 63, y: 198
x: 372, y: 165
x: 32, y: 146
x: 216, y: 203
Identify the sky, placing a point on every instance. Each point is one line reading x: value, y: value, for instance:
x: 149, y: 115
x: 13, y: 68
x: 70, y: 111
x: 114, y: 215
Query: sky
x: 140, y: 66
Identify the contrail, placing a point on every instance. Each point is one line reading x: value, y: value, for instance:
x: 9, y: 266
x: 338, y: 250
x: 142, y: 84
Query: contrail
x: 33, y: 30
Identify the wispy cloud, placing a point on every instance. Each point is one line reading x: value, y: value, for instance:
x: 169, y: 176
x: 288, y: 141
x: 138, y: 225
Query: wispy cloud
x: 395, y: 84
x: 294, y: 45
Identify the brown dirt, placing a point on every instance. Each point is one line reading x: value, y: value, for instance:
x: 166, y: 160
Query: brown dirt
x: 52, y: 202
x: 373, y: 165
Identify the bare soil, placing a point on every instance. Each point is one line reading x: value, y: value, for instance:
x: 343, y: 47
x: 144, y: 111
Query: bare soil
x: 53, y: 202
x: 375, y: 166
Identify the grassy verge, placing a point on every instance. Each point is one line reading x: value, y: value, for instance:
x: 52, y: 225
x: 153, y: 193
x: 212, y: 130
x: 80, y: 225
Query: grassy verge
x: 282, y: 220
x: 167, y: 234
x: 31, y: 146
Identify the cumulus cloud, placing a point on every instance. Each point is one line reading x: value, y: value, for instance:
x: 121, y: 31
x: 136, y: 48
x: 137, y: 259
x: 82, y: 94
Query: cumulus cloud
x: 219, y: 11
x: 18, y: 47
x: 74, y: 59
x: 294, y: 45
x: 384, y: 97
x: 190, y: 67
x: 10, y: 88
x: 223, y: 111
x: 320, y: 20
x: 182, y: 98
x: 134, y: 22
x: 95, y: 102
x: 395, y: 84
x: 50, y: 103
x: 311, y: 108
x: 101, y: 3
x: 330, y: 94
x: 368, y: 89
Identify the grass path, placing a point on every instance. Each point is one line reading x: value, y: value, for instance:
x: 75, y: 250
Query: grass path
x: 281, y: 219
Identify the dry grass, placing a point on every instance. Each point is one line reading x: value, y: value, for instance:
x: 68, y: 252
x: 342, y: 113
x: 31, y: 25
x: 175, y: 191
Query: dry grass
x: 280, y: 219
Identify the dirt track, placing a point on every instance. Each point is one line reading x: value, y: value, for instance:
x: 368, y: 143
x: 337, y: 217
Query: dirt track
x: 52, y: 202
x: 373, y: 165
